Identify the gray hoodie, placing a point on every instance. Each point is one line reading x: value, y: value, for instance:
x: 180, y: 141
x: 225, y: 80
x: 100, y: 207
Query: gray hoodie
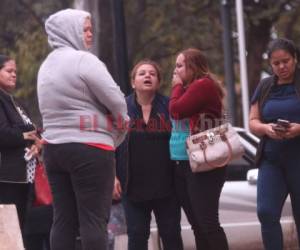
x: 78, y: 99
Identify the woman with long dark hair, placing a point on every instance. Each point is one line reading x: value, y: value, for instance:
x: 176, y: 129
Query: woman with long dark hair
x: 275, y: 118
x: 17, y: 136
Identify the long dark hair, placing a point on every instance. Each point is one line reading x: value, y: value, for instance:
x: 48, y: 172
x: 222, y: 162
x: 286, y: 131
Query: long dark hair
x: 283, y: 44
x: 3, y: 60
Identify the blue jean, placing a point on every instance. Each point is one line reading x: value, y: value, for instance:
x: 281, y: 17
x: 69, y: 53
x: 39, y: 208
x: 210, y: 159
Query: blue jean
x: 81, y: 179
x: 167, y: 215
x: 275, y: 182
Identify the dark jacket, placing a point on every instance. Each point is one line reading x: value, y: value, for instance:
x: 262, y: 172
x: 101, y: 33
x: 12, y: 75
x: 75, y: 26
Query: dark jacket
x: 122, y: 153
x: 12, y: 143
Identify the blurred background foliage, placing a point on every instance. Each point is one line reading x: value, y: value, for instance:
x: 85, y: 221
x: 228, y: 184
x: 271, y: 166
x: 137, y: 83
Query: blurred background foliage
x: 22, y: 37
x: 155, y: 29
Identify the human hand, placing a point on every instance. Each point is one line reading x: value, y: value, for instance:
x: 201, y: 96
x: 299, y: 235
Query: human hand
x: 38, y: 143
x: 292, y: 131
x: 176, y: 80
x: 117, y: 191
x: 34, y: 150
x: 31, y: 135
x: 31, y: 152
x: 270, y: 131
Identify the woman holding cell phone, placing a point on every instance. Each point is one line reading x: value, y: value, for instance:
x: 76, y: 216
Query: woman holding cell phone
x: 275, y: 117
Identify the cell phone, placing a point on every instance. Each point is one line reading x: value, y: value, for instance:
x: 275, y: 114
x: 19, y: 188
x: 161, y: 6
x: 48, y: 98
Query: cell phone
x: 283, y: 123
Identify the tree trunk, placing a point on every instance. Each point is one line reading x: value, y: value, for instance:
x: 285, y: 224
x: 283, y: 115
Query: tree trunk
x: 257, y: 40
x: 291, y: 24
x: 106, y: 36
x: 135, y: 27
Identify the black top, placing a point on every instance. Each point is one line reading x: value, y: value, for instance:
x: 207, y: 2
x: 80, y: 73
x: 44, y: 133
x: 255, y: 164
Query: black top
x: 143, y: 159
x: 149, y: 161
x: 12, y: 143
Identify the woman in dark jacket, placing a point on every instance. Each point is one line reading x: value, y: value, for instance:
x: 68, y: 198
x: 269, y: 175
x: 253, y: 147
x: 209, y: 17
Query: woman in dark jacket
x: 16, y: 134
x: 144, y: 166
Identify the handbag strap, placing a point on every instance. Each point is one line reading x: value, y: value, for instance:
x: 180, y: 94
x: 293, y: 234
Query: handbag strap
x: 227, y: 160
x: 200, y: 139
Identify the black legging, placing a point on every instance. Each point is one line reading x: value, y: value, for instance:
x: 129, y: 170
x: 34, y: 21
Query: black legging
x: 199, y: 195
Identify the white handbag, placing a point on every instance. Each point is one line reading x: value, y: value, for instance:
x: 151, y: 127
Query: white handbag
x: 213, y: 148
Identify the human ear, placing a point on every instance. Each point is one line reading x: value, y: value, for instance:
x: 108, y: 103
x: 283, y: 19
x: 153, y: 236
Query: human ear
x: 132, y: 85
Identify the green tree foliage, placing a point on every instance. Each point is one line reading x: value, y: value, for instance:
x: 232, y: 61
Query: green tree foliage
x: 264, y: 21
x: 159, y: 29
x: 155, y: 29
x: 22, y: 37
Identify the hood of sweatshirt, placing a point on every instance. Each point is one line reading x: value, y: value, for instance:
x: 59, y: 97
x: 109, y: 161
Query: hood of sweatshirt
x: 65, y: 29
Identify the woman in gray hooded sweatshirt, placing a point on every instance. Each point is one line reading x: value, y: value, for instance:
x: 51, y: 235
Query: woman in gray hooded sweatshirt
x: 83, y: 113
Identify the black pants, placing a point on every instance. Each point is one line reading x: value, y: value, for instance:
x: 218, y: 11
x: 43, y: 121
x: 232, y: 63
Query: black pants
x: 199, y: 195
x: 37, y: 227
x: 81, y: 179
x: 167, y: 216
x: 14, y: 193
x: 37, y: 242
